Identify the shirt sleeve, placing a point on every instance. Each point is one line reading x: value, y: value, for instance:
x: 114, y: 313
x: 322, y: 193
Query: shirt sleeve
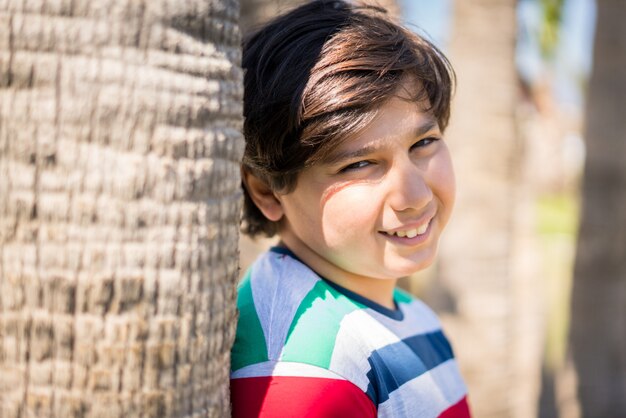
x: 298, y: 396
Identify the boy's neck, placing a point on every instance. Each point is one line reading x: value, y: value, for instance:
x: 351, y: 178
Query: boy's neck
x: 376, y: 290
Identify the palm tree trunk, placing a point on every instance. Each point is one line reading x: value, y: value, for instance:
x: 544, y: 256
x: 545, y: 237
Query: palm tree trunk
x: 119, y: 207
x: 492, y: 310
x: 598, y: 332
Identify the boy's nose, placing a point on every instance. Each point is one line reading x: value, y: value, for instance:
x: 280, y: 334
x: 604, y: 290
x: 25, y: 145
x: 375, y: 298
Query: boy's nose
x: 408, y: 187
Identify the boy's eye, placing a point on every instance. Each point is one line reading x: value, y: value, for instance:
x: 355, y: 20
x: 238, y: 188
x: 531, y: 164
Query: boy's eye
x: 425, y: 142
x: 355, y: 166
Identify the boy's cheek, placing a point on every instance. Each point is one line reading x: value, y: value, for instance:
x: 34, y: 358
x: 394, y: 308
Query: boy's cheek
x: 352, y: 201
x: 341, y: 224
x: 351, y: 190
x: 442, y: 180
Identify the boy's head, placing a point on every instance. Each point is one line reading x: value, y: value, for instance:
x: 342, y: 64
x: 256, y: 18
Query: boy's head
x: 344, y: 113
x: 316, y: 76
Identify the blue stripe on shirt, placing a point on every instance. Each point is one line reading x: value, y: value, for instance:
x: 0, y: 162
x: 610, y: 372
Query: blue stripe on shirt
x: 418, y: 355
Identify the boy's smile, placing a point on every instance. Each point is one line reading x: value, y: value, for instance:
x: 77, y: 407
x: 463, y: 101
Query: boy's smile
x: 376, y: 207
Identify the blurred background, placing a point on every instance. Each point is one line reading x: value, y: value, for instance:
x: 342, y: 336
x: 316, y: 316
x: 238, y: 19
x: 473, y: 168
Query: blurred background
x: 531, y: 277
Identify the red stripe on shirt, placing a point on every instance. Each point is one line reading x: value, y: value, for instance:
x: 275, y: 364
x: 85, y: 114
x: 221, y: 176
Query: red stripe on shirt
x: 290, y: 396
x: 458, y: 410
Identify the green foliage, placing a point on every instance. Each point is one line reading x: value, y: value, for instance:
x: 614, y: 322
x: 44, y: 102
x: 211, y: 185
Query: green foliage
x: 552, y: 11
x: 557, y: 221
x: 558, y: 214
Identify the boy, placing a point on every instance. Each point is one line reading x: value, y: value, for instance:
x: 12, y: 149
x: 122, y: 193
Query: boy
x: 345, y: 161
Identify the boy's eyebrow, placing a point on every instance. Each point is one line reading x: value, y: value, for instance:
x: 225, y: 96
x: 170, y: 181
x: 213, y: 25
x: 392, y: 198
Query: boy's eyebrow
x: 338, y: 157
x: 428, y: 125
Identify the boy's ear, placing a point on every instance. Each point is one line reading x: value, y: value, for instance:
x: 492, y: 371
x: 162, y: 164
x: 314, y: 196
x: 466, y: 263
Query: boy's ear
x: 262, y: 196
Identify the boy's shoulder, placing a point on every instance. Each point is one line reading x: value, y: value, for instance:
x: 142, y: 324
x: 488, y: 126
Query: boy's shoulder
x: 287, y: 313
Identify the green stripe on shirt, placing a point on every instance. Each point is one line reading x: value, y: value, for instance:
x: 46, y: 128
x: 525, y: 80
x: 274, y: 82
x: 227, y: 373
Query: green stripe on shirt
x: 249, y: 331
x: 312, y: 334
x: 401, y: 296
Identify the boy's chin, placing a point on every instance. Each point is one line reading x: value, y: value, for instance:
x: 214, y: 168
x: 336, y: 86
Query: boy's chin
x: 408, y: 267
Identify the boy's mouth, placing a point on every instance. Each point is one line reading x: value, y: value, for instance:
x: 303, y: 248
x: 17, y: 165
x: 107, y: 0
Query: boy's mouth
x: 409, y: 233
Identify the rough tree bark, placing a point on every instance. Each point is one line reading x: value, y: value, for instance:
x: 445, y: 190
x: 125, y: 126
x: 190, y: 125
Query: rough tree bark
x: 119, y: 206
x: 598, y: 326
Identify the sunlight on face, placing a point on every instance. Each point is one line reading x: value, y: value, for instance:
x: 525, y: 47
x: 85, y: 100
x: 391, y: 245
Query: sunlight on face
x: 374, y: 209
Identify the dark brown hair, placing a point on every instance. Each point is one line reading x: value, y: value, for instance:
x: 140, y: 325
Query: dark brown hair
x: 317, y: 75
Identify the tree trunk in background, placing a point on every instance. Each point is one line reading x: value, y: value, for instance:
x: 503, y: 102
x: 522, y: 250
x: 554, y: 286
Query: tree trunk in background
x: 390, y: 5
x: 119, y: 207
x: 492, y: 306
x: 256, y: 12
x: 598, y: 331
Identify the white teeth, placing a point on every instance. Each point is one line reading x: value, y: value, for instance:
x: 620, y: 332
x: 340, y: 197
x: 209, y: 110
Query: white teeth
x: 411, y: 233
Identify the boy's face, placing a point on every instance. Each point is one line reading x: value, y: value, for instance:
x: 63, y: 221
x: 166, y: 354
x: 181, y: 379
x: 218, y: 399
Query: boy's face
x: 377, y: 206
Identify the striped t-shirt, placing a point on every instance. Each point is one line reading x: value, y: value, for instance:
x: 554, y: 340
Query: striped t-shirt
x: 306, y: 347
